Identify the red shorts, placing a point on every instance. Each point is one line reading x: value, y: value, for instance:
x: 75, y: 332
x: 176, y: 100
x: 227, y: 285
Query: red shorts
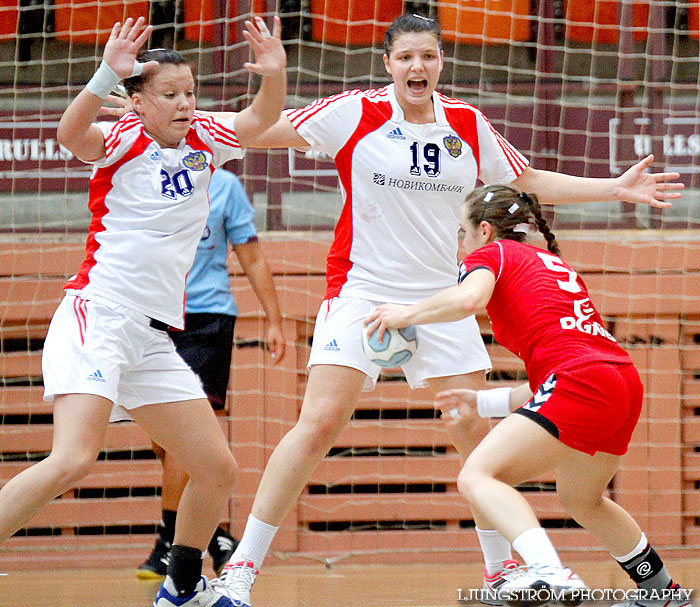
x: 591, y: 408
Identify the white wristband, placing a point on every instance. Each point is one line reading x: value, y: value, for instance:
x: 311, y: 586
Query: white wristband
x: 493, y: 403
x: 103, y: 81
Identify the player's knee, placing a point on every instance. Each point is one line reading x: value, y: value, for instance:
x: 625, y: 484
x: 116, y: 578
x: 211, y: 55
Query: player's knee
x: 318, y: 436
x: 223, y: 469
x: 68, y: 469
x: 580, y: 505
x: 467, y: 481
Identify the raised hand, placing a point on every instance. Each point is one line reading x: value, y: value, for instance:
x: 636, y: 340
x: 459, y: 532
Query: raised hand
x: 638, y: 186
x: 270, y: 57
x: 123, y: 46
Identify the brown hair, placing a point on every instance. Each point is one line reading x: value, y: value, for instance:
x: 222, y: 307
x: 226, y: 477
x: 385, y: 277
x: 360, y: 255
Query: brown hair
x: 135, y: 84
x: 506, y: 208
x: 409, y: 22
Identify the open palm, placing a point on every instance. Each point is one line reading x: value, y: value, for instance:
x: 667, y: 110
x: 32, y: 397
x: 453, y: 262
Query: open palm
x: 124, y: 44
x: 638, y: 186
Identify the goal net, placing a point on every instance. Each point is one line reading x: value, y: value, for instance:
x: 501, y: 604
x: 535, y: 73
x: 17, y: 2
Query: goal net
x: 578, y: 86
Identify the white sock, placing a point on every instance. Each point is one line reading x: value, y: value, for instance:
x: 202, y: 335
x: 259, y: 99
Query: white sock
x: 638, y: 549
x: 255, y: 542
x: 496, y: 549
x: 535, y: 548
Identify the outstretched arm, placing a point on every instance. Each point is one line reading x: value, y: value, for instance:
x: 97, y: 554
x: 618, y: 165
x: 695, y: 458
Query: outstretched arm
x: 270, y: 63
x: 448, y: 305
x: 634, y: 185
x: 258, y: 272
x: 460, y: 403
x: 76, y: 131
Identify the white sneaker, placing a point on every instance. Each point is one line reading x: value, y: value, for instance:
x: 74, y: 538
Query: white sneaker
x: 236, y: 581
x: 489, y: 594
x: 540, y: 585
x: 204, y: 595
x: 673, y: 597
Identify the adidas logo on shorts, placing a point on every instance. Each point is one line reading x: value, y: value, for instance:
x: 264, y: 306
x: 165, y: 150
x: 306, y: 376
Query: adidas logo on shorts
x: 332, y: 345
x: 96, y: 376
x: 395, y: 134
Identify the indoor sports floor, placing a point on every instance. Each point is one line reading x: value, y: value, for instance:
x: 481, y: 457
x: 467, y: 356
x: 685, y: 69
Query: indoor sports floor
x: 346, y: 585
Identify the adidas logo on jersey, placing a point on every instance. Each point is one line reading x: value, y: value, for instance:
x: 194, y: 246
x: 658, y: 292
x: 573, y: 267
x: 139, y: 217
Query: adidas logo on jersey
x: 395, y: 134
x: 155, y: 155
x: 96, y: 376
x: 332, y: 345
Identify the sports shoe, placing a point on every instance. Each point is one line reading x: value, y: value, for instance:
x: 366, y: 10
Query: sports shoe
x: 203, y: 596
x: 677, y: 597
x: 541, y: 584
x: 156, y: 565
x: 492, y: 583
x: 236, y: 581
x: 221, y: 548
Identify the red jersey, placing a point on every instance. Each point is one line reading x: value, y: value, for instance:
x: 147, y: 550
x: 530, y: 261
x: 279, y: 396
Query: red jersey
x: 540, y: 310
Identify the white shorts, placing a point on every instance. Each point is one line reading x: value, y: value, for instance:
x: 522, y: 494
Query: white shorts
x: 111, y: 351
x: 444, y: 349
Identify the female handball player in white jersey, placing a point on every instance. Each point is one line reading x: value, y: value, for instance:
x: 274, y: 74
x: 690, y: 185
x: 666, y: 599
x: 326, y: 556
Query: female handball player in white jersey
x: 107, y: 355
x: 406, y: 157
x: 586, y: 403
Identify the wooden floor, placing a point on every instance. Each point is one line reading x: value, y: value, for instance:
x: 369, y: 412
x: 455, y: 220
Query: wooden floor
x: 427, y: 585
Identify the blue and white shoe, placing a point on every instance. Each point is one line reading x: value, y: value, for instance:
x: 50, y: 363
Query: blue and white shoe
x: 203, y: 596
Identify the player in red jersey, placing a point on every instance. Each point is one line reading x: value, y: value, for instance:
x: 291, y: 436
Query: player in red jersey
x: 583, y: 399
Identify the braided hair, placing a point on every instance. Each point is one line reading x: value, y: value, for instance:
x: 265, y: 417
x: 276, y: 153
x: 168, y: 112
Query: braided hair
x: 165, y: 56
x: 510, y: 212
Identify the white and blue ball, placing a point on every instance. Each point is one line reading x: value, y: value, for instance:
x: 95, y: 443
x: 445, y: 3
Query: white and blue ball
x: 397, y: 347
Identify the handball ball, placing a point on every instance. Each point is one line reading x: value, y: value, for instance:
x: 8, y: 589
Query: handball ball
x: 397, y: 347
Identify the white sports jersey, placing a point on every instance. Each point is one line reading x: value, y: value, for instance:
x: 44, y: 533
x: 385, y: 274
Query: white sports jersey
x: 403, y: 185
x: 149, y: 207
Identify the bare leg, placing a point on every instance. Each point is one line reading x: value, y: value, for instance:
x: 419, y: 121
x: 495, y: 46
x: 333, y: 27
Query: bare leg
x: 80, y: 422
x: 516, y: 450
x: 205, y: 458
x: 581, y: 481
x: 466, y: 435
x: 329, y: 401
x: 174, y: 482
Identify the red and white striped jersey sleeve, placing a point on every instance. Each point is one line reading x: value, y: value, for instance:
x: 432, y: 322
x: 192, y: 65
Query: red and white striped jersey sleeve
x: 500, y: 162
x: 119, y: 136
x: 328, y: 123
x: 219, y: 134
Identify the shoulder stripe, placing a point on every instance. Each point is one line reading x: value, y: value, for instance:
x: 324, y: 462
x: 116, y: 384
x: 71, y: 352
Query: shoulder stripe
x: 298, y: 116
x: 125, y: 124
x: 515, y: 158
x: 452, y: 102
x: 218, y: 132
